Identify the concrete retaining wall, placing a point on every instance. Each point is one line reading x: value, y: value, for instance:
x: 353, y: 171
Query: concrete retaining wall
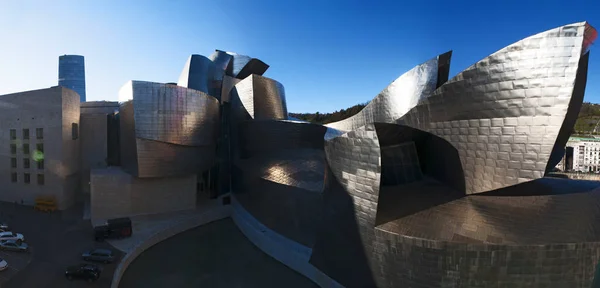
x: 581, y: 176
x: 211, y: 215
x: 284, y: 250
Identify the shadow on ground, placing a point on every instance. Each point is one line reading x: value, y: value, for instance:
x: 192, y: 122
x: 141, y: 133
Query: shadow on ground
x: 213, y: 255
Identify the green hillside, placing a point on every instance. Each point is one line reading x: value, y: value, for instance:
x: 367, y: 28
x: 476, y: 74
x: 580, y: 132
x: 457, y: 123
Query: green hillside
x: 589, y: 118
x: 324, y: 118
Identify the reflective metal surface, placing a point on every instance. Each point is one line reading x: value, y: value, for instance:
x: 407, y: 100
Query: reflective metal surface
x: 169, y: 130
x: 278, y: 176
x: 493, y: 126
x: 381, y: 198
x: 262, y: 98
x: 238, y: 66
x: 200, y: 73
x: 504, y: 113
x: 400, y: 96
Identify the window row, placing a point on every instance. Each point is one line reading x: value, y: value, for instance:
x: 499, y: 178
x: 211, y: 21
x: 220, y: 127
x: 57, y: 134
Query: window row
x: 27, y: 178
x: 39, y: 134
x: 27, y: 163
x: 39, y: 147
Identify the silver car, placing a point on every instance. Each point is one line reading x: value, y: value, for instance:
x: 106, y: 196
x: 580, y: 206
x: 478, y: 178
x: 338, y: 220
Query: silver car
x: 3, y: 264
x: 11, y: 236
x: 14, y: 245
x: 98, y: 255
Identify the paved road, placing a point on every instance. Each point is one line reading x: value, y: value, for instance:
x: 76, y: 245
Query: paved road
x: 16, y: 262
x: 57, y: 240
x: 213, y: 255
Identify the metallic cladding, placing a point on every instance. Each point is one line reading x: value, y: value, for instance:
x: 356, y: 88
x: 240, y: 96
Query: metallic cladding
x: 504, y: 113
x: 262, y: 98
x: 160, y: 159
x: 267, y: 135
x: 399, y: 97
x: 278, y: 176
x: 238, y: 66
x: 200, y: 73
x: 71, y: 74
x: 498, y: 121
x: 127, y: 139
x: 175, y: 129
x: 173, y: 114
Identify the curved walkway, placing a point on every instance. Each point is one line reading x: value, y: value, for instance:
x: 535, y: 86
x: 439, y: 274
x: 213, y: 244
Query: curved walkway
x: 213, y: 255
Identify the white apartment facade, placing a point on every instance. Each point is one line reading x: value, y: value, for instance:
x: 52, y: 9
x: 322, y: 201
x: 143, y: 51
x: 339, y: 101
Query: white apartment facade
x: 586, y: 155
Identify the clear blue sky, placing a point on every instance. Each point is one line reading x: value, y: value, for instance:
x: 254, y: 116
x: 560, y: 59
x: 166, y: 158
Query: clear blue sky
x: 328, y: 54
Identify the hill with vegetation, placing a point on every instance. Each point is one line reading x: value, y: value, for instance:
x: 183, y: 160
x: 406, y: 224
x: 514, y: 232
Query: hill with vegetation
x: 324, y: 118
x: 588, y: 122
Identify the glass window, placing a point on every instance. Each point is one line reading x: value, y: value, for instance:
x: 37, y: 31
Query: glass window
x: 13, y: 148
x: 26, y: 148
x: 13, y: 162
x: 25, y: 134
x: 74, y: 131
x: 40, y: 147
x: 26, y: 163
x: 13, y: 134
x: 13, y: 177
x: 39, y: 133
x: 40, y: 164
x: 26, y: 177
x: 40, y: 179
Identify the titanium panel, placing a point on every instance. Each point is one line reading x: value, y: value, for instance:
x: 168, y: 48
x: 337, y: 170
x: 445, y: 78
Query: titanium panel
x: 127, y: 139
x: 558, y: 151
x: 160, y: 159
x: 227, y: 85
x: 259, y: 137
x: 504, y: 113
x: 425, y: 233
x: 173, y: 114
x: 262, y: 98
x: 167, y: 130
x: 238, y: 66
x: 402, y: 95
x: 200, y: 73
x: 223, y: 61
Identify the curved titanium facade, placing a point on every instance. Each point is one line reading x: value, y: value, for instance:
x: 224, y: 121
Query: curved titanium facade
x: 278, y: 177
x: 238, y: 66
x: 402, y: 95
x: 385, y: 198
x: 261, y: 98
x: 200, y: 73
x: 396, y: 192
x: 71, y: 74
x: 504, y: 113
x: 167, y: 130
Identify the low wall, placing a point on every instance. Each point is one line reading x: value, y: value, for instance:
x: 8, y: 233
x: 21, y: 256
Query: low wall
x: 580, y: 176
x: 284, y: 250
x: 211, y: 215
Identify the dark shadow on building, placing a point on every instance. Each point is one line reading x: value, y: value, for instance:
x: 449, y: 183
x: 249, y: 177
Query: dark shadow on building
x: 339, y: 251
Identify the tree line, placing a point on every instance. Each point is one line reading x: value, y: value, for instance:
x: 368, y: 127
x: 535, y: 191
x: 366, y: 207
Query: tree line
x: 324, y: 118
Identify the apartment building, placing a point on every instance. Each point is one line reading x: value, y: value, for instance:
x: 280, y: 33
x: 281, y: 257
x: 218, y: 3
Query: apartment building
x: 39, y: 146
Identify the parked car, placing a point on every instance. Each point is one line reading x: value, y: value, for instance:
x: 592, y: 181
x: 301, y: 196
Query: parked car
x: 3, y: 264
x: 14, y: 245
x: 4, y: 227
x: 87, y: 272
x: 113, y: 228
x: 11, y: 236
x: 98, y: 255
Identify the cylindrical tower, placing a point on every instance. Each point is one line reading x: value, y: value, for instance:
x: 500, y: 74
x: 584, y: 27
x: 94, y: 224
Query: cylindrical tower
x: 71, y: 74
